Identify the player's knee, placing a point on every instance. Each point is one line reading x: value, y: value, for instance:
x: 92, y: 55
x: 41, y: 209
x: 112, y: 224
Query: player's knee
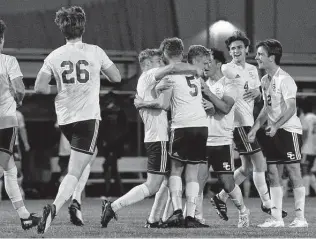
x: 295, y: 176
x: 5, y: 161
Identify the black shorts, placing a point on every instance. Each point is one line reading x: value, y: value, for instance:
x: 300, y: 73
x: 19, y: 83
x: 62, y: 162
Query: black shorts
x: 82, y: 135
x: 158, y: 160
x: 221, y: 158
x: 188, y: 145
x: 283, y: 148
x: 243, y: 147
x: 7, y: 139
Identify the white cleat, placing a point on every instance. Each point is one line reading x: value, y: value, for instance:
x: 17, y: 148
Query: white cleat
x: 272, y: 222
x: 299, y: 222
x: 244, y: 219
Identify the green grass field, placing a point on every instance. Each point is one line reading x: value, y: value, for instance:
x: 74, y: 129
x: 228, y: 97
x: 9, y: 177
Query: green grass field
x: 131, y: 221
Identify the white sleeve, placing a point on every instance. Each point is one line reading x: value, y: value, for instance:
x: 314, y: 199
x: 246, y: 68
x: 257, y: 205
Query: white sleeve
x: 104, y: 59
x: 47, y: 68
x: 14, y: 70
x: 288, y: 88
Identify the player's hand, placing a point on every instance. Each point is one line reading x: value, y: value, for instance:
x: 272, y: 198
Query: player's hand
x: 208, y: 107
x: 204, y: 87
x: 199, y: 72
x: 138, y: 101
x: 271, y: 130
x: 164, y: 84
x: 251, y: 94
x: 251, y: 135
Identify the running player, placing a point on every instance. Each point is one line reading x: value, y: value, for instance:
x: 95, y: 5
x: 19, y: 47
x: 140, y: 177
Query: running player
x: 76, y: 67
x: 11, y: 94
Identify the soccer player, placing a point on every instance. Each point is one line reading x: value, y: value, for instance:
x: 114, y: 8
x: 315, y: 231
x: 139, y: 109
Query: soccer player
x: 152, y: 110
x: 284, y: 130
x: 76, y: 67
x: 222, y: 93
x: 250, y: 153
x: 309, y: 149
x: 188, y: 135
x: 11, y: 94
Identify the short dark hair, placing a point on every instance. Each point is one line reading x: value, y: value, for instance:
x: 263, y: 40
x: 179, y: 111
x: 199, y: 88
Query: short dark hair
x: 3, y: 27
x: 197, y: 50
x: 273, y: 48
x: 237, y: 36
x: 71, y: 21
x: 172, y: 47
x: 218, y: 55
x: 147, y: 54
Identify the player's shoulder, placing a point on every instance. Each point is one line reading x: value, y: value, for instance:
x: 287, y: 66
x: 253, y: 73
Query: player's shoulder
x: 8, y: 58
x: 250, y: 67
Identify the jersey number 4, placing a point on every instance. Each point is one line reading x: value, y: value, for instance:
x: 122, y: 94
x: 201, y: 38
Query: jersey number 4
x: 82, y: 75
x: 193, y: 92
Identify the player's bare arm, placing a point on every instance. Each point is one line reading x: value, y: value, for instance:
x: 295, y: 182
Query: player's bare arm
x: 177, y: 68
x: 112, y: 74
x: 162, y: 102
x: 261, y: 119
x: 18, y: 89
x: 42, y: 85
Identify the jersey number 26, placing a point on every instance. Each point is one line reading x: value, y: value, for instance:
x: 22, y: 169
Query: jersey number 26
x: 82, y: 75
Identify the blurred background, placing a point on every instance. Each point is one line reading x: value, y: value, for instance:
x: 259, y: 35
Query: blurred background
x: 123, y: 28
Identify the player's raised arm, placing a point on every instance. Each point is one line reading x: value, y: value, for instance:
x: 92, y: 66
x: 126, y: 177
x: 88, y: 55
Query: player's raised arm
x: 177, y: 69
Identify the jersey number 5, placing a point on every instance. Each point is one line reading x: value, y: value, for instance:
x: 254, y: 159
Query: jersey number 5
x: 193, y: 92
x: 82, y: 74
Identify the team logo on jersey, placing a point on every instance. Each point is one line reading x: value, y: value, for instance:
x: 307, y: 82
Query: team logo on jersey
x: 252, y: 75
x: 273, y: 87
x: 290, y: 155
x: 226, y: 166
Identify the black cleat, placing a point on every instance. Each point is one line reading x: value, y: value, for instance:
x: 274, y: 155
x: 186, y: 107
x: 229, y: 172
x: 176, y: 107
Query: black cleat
x: 31, y: 221
x: 152, y: 224
x: 220, y: 207
x: 75, y: 213
x: 107, y: 213
x: 175, y: 220
x: 191, y: 222
x: 268, y: 210
x: 49, y: 213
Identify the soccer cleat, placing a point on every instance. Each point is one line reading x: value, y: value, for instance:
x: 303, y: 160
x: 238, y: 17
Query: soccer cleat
x: 299, y: 222
x: 268, y: 210
x: 243, y: 220
x: 220, y: 207
x: 30, y: 222
x: 175, y: 220
x: 107, y: 213
x: 49, y: 213
x: 202, y: 221
x: 272, y: 222
x: 191, y: 222
x: 152, y: 224
x: 75, y: 213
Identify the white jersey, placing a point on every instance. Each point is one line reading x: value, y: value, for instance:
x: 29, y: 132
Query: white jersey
x: 281, y: 88
x: 9, y: 70
x: 186, y: 102
x: 221, y: 126
x: 76, y: 68
x: 155, y: 120
x: 248, y: 79
x: 309, y: 124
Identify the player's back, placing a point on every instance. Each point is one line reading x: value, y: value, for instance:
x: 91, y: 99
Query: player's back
x: 247, y: 79
x: 155, y: 120
x: 309, y: 124
x: 186, y: 102
x: 76, y: 68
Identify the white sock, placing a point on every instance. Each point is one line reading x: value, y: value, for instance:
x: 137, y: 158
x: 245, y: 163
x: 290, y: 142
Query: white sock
x: 136, y: 194
x: 65, y: 190
x: 81, y: 184
x: 199, y: 207
x: 159, y: 203
x: 13, y: 190
x: 168, y: 209
x: 276, y: 199
x: 313, y: 182
x: 259, y: 180
x: 299, y: 197
x: 239, y: 177
x: 175, y: 187
x: 237, y: 199
x: 191, y: 192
